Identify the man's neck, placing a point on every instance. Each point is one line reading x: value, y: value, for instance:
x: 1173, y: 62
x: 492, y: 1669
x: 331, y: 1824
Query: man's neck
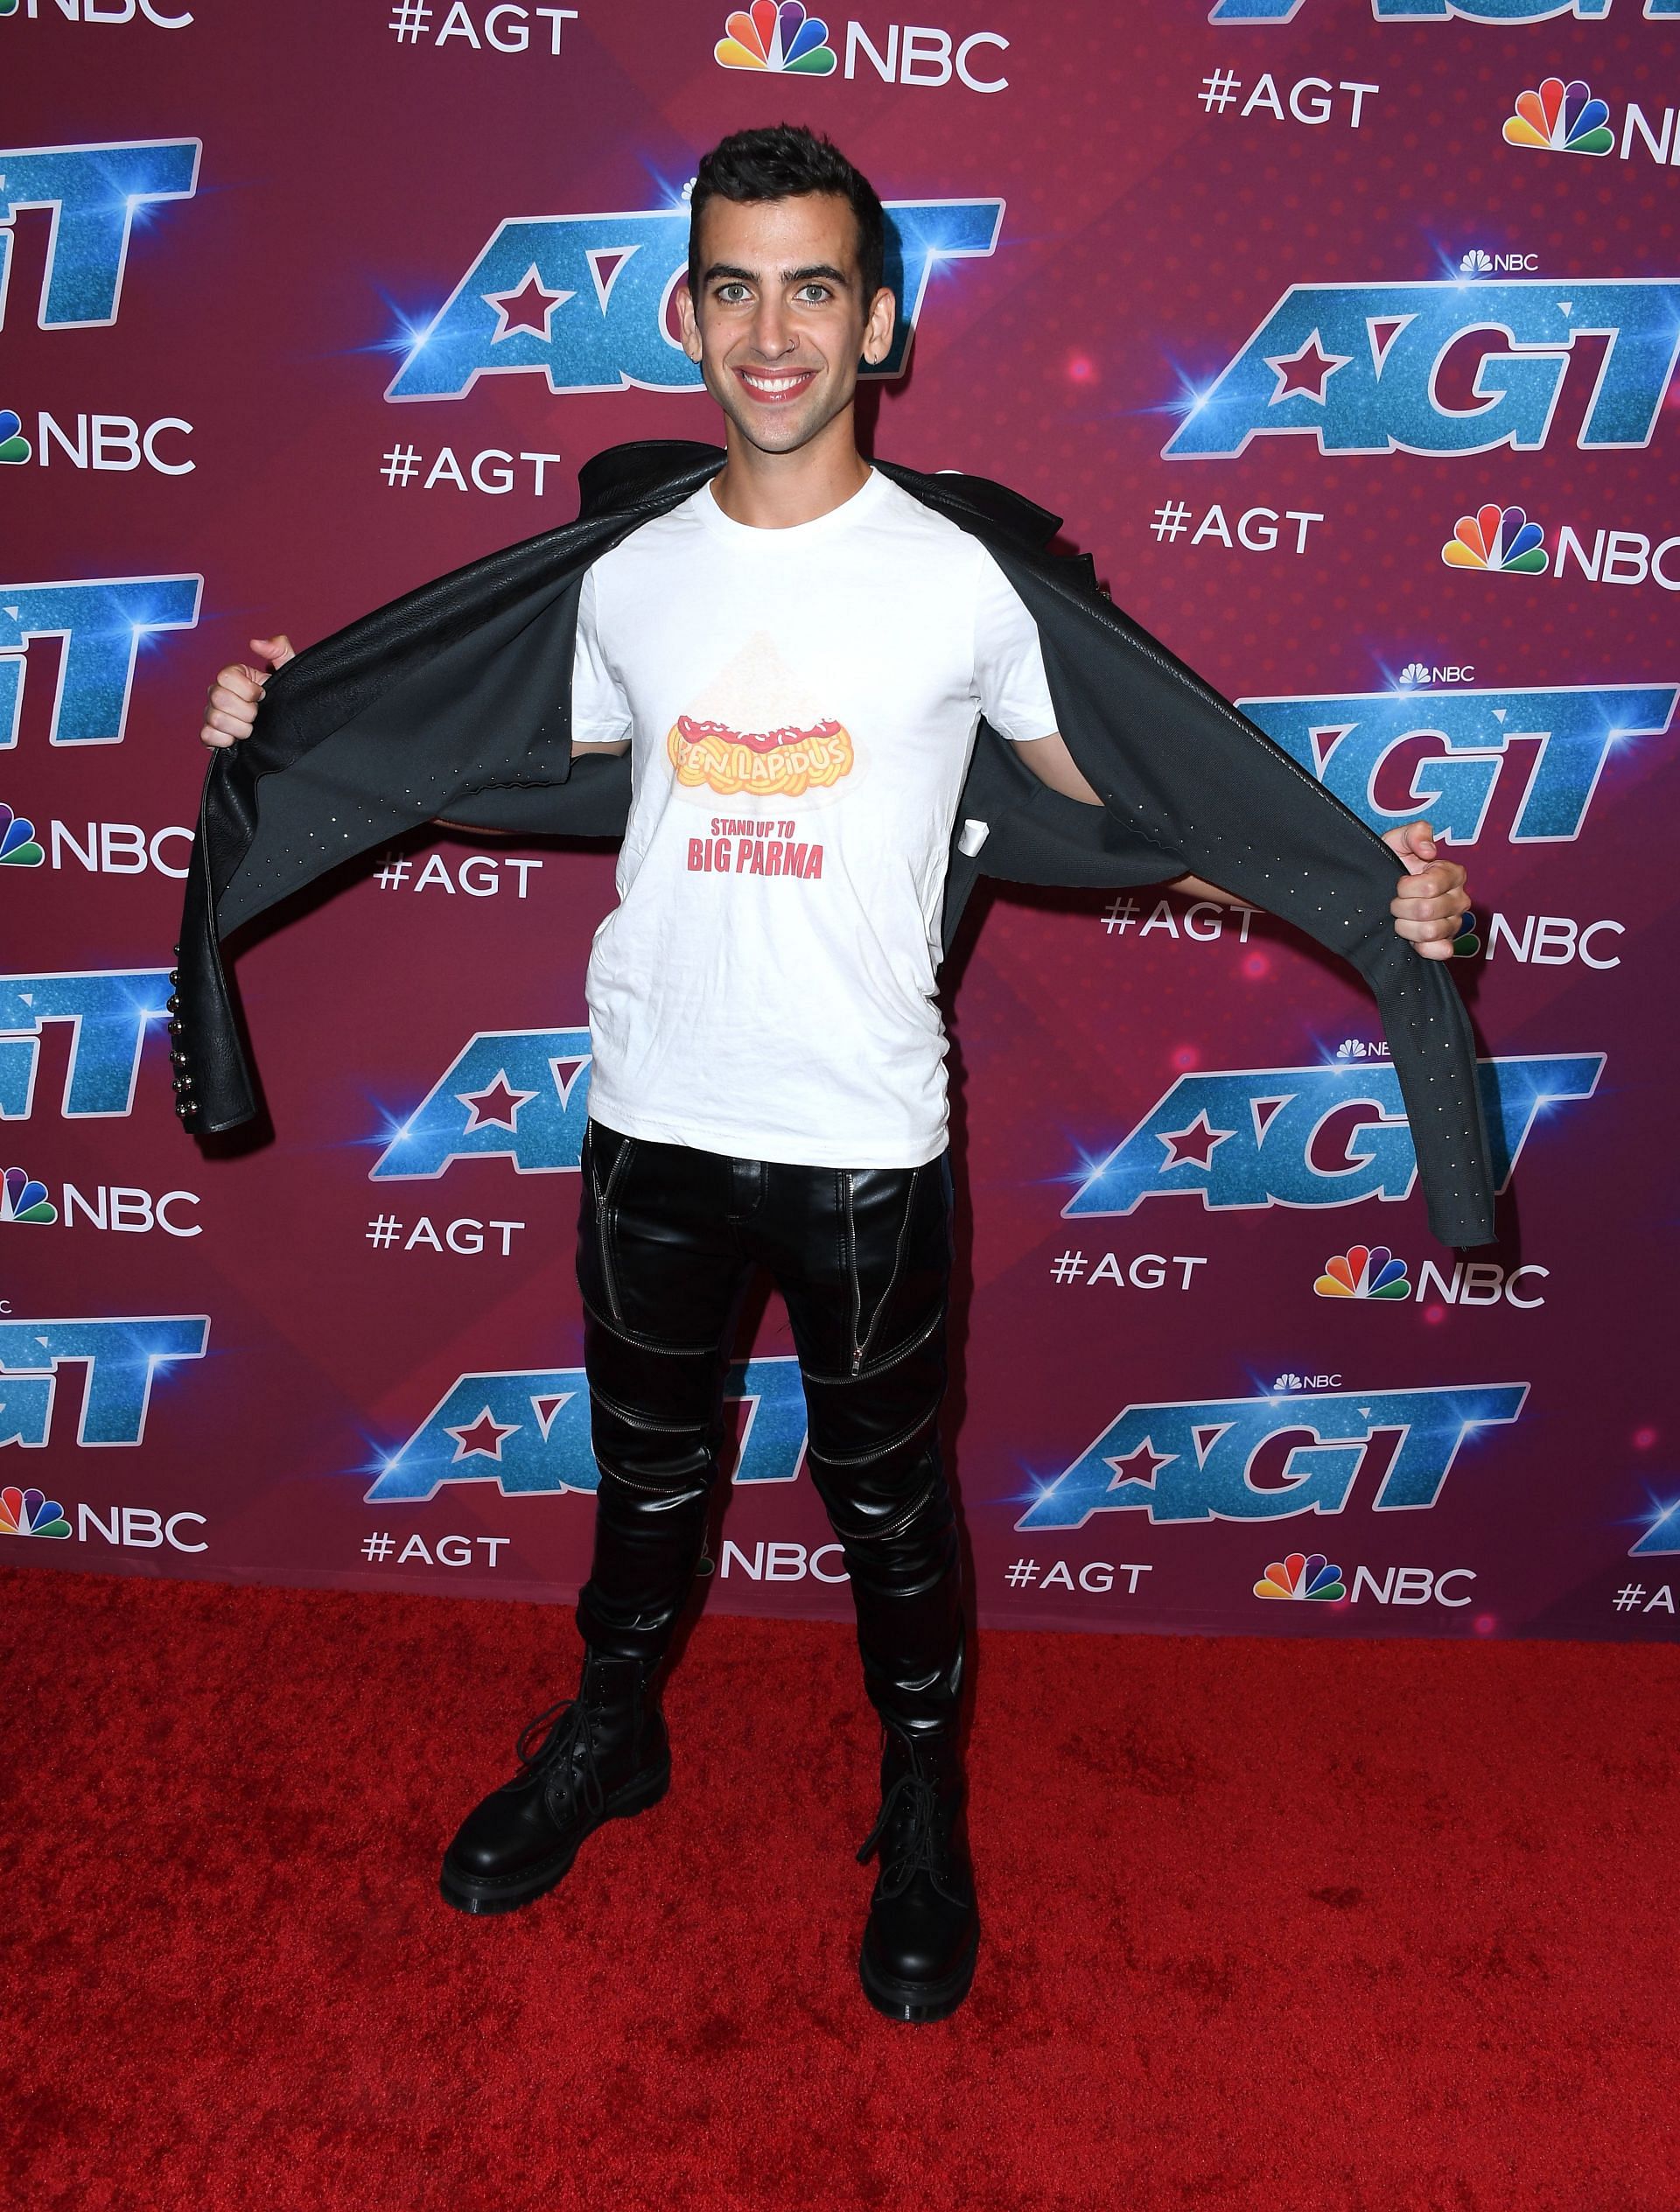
x: 779, y: 491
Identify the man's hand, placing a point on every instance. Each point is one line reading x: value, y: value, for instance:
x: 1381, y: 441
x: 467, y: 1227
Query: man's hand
x: 1431, y: 895
x: 237, y: 692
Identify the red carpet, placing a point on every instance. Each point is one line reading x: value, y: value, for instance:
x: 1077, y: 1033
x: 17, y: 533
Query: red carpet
x: 1293, y: 1925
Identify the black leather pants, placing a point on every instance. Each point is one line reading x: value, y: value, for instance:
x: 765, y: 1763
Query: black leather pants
x: 668, y: 1241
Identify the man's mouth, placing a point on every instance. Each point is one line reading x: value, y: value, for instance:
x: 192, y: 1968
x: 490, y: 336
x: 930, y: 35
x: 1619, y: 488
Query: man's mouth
x: 774, y: 386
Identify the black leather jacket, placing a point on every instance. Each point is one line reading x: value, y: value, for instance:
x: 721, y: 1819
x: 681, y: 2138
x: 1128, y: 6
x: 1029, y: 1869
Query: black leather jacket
x: 455, y: 700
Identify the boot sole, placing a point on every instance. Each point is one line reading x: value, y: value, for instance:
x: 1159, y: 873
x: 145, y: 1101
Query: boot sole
x: 507, y: 1893
x: 917, y: 2002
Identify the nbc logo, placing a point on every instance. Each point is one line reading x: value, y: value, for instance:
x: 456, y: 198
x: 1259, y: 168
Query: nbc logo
x: 31, y: 1513
x: 1561, y: 119
x: 1476, y: 262
x: 781, y: 39
x: 18, y: 845
x: 1500, y: 539
x: 1414, y: 672
x: 1300, y: 1576
x: 13, y: 446
x: 22, y: 1198
x: 1467, y: 943
x: 1365, y: 1270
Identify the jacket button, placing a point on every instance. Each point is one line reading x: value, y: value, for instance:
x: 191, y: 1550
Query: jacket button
x: 176, y: 1027
x: 176, y: 951
x: 172, y: 1004
x: 186, y: 1082
x: 174, y: 974
x: 182, y: 1108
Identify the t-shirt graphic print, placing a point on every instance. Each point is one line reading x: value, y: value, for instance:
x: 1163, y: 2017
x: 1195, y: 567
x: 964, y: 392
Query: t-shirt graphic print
x: 801, y: 706
x: 734, y: 744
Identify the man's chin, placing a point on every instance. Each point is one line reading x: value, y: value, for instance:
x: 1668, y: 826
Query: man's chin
x: 777, y: 429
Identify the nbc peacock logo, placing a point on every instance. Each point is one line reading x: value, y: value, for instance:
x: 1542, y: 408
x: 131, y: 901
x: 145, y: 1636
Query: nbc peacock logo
x: 781, y: 39
x: 19, y: 848
x: 1560, y: 118
x: 1302, y: 1575
x: 1364, y: 1271
x: 22, y: 1198
x: 31, y: 1513
x: 14, y: 446
x: 1500, y: 539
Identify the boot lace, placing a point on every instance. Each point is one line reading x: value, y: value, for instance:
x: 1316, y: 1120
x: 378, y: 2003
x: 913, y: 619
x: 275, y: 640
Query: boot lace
x: 918, y: 1843
x: 556, y: 1756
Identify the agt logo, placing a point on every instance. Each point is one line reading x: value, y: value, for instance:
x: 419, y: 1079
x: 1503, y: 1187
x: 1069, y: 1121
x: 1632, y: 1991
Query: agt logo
x: 103, y: 626
x: 1502, y: 12
x: 528, y: 1433
x: 518, y: 1094
x: 1203, y: 1460
x: 110, y: 1013
x: 122, y: 1359
x: 1354, y: 366
x: 585, y: 300
x: 1391, y: 755
x: 786, y: 41
x: 1257, y: 1137
x: 95, y: 194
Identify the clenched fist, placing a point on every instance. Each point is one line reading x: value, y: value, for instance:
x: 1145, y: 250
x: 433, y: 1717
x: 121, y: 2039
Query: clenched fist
x: 236, y: 694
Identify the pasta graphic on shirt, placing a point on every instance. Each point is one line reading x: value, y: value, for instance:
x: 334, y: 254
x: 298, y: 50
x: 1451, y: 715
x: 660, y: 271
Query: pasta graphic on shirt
x: 757, y: 733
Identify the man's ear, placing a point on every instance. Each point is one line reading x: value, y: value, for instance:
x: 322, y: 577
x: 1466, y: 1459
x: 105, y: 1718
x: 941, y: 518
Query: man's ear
x: 687, y: 323
x: 878, y: 330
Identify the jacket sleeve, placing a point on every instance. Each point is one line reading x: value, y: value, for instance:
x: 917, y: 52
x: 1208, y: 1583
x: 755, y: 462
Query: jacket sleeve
x: 1186, y: 774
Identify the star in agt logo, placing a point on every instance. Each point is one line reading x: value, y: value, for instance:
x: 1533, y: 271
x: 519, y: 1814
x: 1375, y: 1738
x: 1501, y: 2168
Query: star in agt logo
x: 782, y: 40
x: 1560, y: 118
x: 1499, y: 539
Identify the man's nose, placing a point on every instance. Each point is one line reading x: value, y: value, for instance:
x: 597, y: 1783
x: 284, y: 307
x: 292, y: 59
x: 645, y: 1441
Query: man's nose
x: 771, y: 332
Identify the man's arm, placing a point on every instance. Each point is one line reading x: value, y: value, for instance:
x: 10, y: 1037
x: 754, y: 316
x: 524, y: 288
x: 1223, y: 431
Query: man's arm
x: 1428, y: 900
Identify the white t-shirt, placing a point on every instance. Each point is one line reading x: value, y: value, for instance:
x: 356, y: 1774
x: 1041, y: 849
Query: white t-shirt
x: 802, y: 705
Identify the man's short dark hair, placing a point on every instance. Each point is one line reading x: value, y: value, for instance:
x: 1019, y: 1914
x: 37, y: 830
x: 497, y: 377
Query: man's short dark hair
x: 785, y: 161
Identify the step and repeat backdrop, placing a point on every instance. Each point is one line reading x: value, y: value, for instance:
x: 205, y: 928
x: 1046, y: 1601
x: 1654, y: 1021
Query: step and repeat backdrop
x: 1342, y: 333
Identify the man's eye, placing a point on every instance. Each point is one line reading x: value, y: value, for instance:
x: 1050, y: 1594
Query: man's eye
x: 730, y: 293
x: 815, y: 294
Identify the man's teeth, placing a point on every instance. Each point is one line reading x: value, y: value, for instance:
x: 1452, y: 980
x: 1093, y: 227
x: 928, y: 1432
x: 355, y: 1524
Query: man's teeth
x: 774, y: 383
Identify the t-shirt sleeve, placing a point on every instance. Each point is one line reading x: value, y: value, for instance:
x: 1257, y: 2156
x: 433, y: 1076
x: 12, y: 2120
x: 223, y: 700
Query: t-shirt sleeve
x: 600, y: 711
x: 1009, y: 679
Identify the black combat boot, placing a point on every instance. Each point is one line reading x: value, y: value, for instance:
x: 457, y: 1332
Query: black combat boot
x: 918, y: 1948
x: 605, y: 1756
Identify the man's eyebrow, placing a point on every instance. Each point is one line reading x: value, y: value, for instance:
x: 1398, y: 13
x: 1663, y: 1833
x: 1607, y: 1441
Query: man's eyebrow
x: 730, y: 273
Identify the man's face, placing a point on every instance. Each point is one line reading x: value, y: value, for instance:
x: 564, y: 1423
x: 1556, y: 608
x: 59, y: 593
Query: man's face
x: 781, y: 321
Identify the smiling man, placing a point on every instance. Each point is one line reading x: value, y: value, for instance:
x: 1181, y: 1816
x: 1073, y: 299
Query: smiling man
x: 798, y: 655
